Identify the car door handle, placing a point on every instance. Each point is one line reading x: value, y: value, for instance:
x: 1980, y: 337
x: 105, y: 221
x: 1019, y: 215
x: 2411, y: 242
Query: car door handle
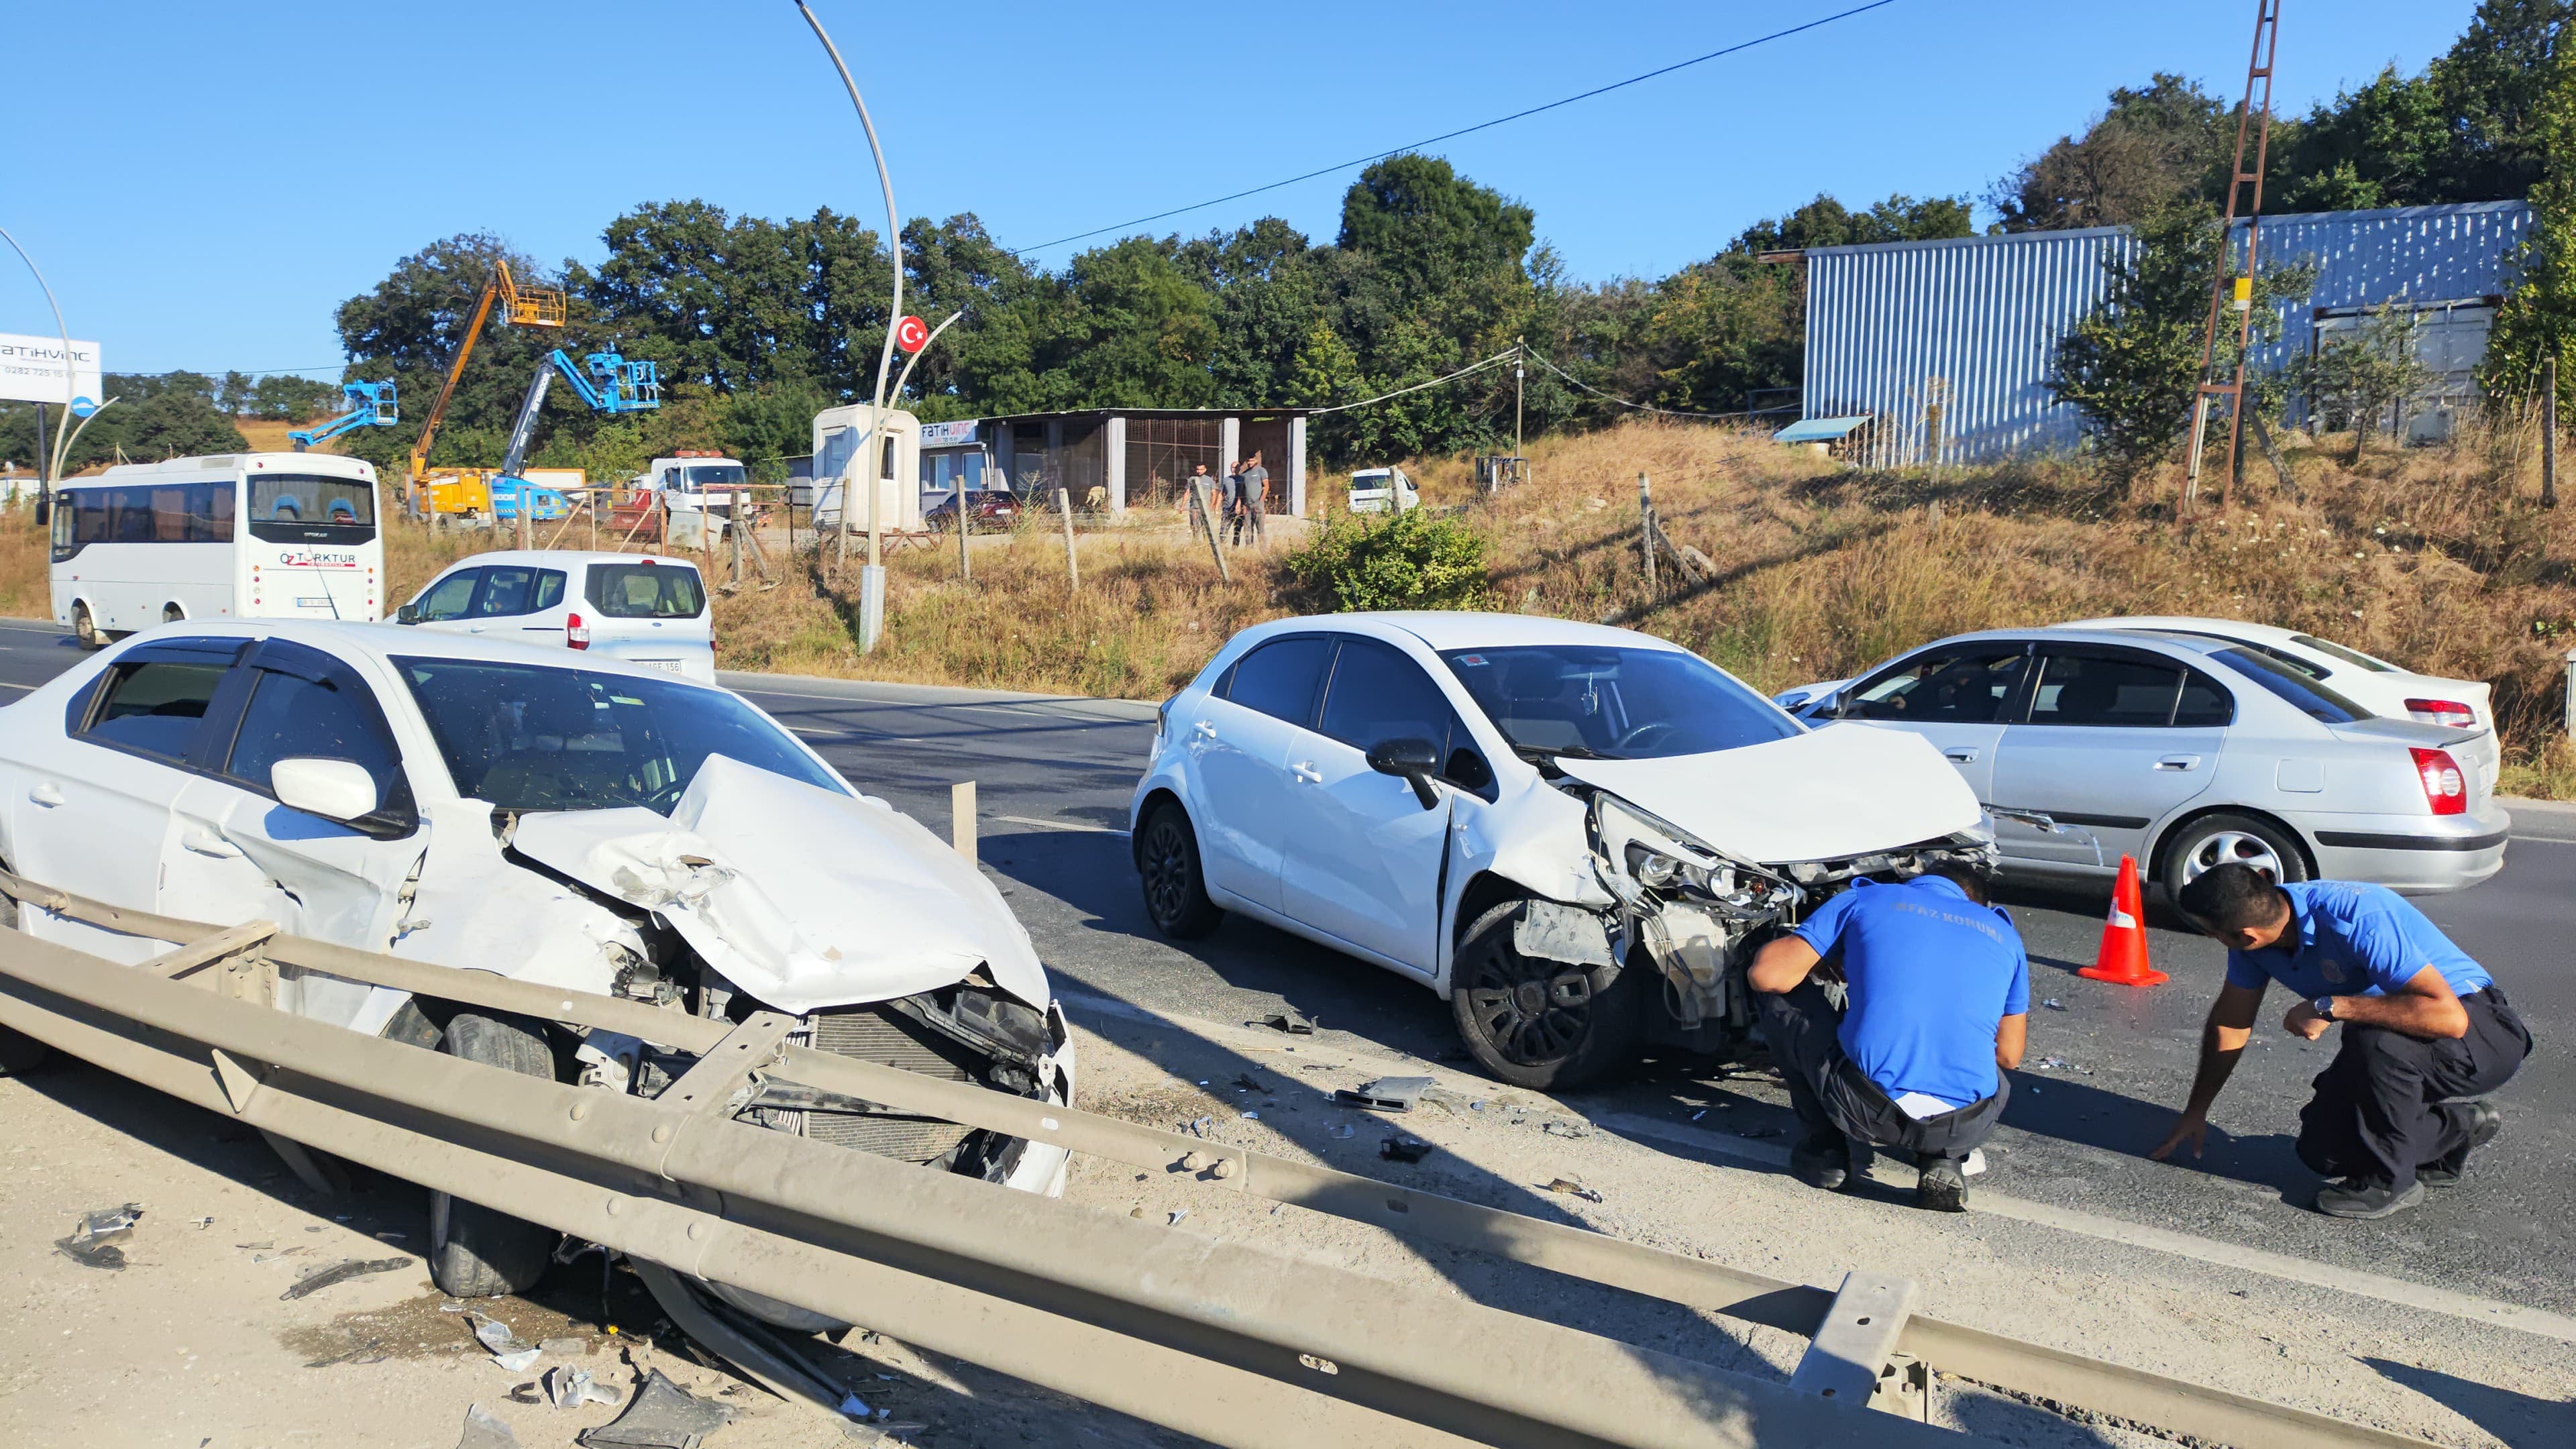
x: 206, y: 842
x: 2179, y: 762
x: 47, y: 793
x: 1962, y: 755
x: 1207, y: 731
x: 1305, y: 770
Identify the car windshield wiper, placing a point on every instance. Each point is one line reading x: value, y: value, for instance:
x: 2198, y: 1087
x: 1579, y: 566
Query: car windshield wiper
x: 1537, y: 753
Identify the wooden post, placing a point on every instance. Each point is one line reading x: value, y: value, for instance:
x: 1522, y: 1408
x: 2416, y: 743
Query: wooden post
x: 1207, y: 511
x: 961, y: 818
x: 1646, y: 530
x: 2549, y: 432
x: 965, y: 565
x: 1072, y: 571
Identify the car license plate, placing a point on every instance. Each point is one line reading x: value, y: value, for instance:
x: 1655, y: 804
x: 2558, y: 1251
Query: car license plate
x: 313, y: 603
x: 667, y: 666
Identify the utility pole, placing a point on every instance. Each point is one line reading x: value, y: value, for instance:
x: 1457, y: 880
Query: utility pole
x: 2549, y: 432
x: 1518, y: 348
x: 2254, y: 123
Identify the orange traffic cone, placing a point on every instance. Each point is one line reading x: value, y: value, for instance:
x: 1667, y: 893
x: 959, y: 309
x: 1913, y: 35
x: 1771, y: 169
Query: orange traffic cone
x: 2123, y: 957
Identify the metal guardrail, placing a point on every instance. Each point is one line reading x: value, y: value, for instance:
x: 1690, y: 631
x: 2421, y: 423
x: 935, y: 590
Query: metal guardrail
x: 1230, y: 1342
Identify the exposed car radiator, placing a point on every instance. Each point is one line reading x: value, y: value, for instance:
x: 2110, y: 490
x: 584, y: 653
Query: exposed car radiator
x: 876, y: 1034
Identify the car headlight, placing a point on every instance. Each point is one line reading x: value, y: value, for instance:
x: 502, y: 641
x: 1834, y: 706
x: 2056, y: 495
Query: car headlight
x: 1655, y: 870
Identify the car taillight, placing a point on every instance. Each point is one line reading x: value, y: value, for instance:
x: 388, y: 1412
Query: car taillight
x: 2442, y: 712
x: 2445, y: 788
x: 577, y: 633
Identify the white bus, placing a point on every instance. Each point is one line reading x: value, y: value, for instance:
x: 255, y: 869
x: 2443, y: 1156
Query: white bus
x: 236, y: 535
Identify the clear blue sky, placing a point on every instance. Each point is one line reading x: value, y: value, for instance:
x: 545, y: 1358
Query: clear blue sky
x: 219, y: 177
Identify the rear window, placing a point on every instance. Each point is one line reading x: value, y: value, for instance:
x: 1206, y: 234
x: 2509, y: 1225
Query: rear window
x: 2306, y: 695
x: 2348, y: 656
x: 646, y: 591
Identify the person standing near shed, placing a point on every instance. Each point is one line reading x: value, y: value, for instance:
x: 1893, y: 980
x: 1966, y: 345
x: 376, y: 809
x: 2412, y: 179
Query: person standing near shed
x: 2425, y: 1030
x: 1938, y: 1003
x: 1255, y: 498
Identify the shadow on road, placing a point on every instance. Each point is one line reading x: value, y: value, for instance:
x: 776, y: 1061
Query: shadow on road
x: 2520, y: 1420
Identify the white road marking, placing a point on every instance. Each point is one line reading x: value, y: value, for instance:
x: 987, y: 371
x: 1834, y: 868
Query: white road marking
x: 1060, y: 825
x: 2183, y: 1245
x: 827, y: 734
x: 2541, y: 839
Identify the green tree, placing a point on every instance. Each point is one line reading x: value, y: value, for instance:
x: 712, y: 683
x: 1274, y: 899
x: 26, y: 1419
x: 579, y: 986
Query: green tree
x: 156, y: 416
x: 2132, y: 366
x: 2357, y: 380
x: 2538, y: 318
x: 2152, y: 149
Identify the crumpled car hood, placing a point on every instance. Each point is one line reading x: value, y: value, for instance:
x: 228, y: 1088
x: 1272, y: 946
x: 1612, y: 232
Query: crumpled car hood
x: 803, y: 897
x: 1844, y: 790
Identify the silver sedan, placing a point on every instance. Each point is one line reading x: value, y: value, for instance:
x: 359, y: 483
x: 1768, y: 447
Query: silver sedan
x: 2184, y: 751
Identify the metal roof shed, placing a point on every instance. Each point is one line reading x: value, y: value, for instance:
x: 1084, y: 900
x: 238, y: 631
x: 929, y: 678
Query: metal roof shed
x: 1950, y: 343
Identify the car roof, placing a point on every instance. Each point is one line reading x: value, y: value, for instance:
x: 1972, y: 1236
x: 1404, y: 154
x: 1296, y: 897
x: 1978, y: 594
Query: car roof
x: 2131, y: 638
x: 560, y: 557
x: 1445, y: 629
x: 382, y: 643
x: 2186, y: 624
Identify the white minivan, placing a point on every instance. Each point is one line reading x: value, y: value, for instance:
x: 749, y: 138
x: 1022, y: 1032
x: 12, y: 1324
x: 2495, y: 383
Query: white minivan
x: 636, y: 608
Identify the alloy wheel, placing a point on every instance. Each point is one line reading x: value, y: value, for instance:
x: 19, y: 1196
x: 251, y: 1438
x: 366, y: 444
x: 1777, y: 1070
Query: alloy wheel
x: 1167, y: 871
x: 2230, y: 847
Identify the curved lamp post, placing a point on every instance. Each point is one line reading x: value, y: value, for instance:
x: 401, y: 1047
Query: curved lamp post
x: 872, y: 579
x: 62, y: 442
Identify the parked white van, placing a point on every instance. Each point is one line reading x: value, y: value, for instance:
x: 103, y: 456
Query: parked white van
x: 636, y: 608
x: 1383, y: 490
x: 232, y: 535
x: 701, y: 483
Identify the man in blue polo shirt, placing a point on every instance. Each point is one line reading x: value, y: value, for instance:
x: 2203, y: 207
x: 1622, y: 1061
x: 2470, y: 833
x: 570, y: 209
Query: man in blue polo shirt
x: 2425, y: 1029
x: 1938, y: 993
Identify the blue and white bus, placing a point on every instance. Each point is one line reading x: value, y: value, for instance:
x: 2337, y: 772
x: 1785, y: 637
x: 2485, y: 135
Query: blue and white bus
x: 236, y: 535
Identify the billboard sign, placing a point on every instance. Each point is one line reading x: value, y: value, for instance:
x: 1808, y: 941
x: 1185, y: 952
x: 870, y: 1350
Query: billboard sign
x: 944, y: 435
x: 31, y: 370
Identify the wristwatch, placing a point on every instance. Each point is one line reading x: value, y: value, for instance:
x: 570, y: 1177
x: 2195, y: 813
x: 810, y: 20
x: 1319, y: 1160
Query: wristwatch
x: 2323, y: 1006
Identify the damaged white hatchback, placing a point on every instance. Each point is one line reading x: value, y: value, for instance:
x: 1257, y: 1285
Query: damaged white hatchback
x: 498, y: 807
x: 1576, y: 834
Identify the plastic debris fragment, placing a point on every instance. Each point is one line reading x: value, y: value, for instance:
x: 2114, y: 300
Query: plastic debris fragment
x: 1290, y: 1022
x: 662, y: 1416
x: 1386, y: 1094
x: 94, y: 1238
x: 1402, y: 1148
x: 482, y: 1431
x: 2053, y: 1004
x: 341, y: 1272
x: 1177, y: 1215
x: 570, y: 1388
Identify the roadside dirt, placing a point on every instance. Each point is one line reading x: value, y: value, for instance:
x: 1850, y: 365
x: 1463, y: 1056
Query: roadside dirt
x: 191, y: 1346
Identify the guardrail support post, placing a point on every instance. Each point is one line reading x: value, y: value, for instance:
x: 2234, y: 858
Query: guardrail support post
x: 1852, y: 1345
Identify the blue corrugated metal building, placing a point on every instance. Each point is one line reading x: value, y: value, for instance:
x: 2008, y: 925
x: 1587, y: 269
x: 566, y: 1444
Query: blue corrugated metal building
x: 1947, y: 344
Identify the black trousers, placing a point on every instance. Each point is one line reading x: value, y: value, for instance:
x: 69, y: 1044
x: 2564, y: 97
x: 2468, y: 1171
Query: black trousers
x: 2387, y: 1103
x: 1834, y: 1099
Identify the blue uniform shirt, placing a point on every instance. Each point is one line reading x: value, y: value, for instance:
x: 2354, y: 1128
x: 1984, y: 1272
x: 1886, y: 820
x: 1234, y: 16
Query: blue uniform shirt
x: 2348, y: 939
x: 1932, y: 975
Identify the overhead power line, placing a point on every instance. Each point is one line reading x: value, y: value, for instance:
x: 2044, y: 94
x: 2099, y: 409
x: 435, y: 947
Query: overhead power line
x: 1464, y: 130
x: 1503, y: 356
x: 1623, y: 402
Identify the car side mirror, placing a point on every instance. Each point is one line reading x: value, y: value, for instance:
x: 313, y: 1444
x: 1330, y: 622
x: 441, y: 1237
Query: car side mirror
x: 1415, y: 760
x: 336, y: 790
x: 407, y: 614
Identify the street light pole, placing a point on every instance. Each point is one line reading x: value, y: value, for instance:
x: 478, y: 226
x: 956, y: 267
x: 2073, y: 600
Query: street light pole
x: 62, y: 441
x: 872, y: 579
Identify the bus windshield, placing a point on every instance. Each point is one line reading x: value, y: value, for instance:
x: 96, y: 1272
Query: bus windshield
x: 311, y: 498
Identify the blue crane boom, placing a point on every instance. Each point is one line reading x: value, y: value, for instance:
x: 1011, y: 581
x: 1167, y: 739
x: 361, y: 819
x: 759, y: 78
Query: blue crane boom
x: 607, y: 382
x: 371, y: 404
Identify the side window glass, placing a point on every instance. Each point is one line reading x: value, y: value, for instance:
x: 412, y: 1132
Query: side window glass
x: 2206, y: 703
x: 290, y: 717
x: 1949, y: 686
x: 507, y: 588
x: 1280, y: 678
x: 1378, y: 695
x: 2105, y: 691
x: 550, y: 591
x: 450, y: 597
x: 157, y: 705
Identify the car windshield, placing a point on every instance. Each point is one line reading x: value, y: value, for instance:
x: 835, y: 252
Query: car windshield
x: 2353, y: 657
x: 1595, y: 702
x: 531, y: 737
x: 715, y: 475
x: 2303, y: 691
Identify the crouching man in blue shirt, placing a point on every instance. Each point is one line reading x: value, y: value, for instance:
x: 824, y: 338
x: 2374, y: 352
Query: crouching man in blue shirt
x: 2425, y: 1029
x: 1938, y: 1003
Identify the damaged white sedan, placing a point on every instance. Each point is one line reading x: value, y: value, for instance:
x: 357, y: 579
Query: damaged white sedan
x: 1576, y: 834
x: 498, y: 807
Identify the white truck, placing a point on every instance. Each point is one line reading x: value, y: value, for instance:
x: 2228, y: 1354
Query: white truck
x: 698, y: 489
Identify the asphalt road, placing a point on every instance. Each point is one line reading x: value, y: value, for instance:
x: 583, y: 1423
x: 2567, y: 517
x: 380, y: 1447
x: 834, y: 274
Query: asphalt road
x: 1054, y: 776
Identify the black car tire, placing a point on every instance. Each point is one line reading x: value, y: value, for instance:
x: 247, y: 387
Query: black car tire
x: 2216, y: 839
x: 475, y: 1252
x: 85, y: 628
x: 1167, y: 862
x: 1544, y: 1025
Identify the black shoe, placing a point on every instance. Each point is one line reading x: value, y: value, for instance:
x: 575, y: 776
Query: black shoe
x: 2444, y: 1171
x: 1943, y: 1187
x: 2367, y: 1197
x: 1822, y: 1162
